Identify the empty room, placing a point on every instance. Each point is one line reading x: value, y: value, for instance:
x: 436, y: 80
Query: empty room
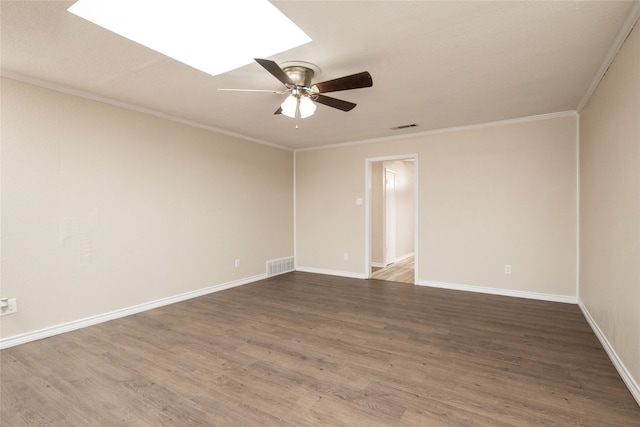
x: 318, y: 213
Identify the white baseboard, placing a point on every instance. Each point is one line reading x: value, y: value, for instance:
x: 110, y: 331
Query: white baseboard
x: 568, y: 299
x: 403, y: 257
x: 629, y: 381
x: 94, y: 320
x: 349, y: 274
x: 383, y: 265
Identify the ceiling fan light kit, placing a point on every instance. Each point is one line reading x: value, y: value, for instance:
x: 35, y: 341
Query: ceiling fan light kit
x: 302, y: 96
x: 298, y: 105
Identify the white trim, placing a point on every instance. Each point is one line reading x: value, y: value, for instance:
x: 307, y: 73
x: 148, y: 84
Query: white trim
x: 295, y: 207
x: 578, y: 206
x: 94, y: 320
x: 416, y: 218
x: 408, y: 156
x: 621, y: 37
x: 94, y: 97
x: 367, y: 220
x: 128, y: 106
x: 378, y: 265
x: 549, y: 116
x: 631, y: 384
x: 403, y: 257
x: 349, y: 274
x: 567, y: 299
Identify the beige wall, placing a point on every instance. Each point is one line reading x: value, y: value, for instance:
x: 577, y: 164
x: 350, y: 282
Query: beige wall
x: 104, y: 208
x: 610, y: 205
x: 405, y: 206
x: 488, y: 196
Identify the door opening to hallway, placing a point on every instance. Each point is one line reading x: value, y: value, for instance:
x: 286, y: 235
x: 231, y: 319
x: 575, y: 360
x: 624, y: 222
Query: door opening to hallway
x: 392, y: 220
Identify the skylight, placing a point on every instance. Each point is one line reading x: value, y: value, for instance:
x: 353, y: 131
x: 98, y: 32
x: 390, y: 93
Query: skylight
x: 214, y: 36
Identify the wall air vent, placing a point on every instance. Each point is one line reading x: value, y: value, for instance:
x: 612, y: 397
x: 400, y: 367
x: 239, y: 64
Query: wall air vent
x: 280, y: 266
x: 412, y: 125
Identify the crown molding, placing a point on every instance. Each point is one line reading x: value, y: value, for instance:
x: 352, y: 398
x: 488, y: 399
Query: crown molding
x: 128, y: 106
x: 621, y: 37
x: 526, y: 119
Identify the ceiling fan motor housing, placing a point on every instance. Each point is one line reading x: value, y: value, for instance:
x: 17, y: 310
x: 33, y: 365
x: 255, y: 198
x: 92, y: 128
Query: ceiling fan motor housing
x: 299, y: 75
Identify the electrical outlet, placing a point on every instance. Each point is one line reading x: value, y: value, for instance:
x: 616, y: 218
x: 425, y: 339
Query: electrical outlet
x: 346, y: 256
x: 237, y: 263
x: 10, y: 308
x: 507, y: 269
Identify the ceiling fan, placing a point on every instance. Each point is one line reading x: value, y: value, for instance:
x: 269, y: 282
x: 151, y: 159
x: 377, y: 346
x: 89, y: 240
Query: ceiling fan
x: 303, y: 94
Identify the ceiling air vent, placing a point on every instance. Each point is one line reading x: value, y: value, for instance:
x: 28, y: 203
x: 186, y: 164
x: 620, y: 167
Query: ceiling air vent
x: 412, y: 125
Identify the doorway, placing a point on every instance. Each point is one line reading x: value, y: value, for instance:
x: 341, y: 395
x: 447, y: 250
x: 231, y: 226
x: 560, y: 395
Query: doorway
x: 392, y: 218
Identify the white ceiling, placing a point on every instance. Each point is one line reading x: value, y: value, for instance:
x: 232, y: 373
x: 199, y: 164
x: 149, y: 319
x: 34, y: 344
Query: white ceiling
x: 436, y: 64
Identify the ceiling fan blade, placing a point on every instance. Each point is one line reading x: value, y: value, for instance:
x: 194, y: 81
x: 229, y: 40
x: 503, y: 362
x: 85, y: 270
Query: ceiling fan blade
x: 275, y: 70
x: 354, y: 81
x: 278, y: 111
x: 334, y: 102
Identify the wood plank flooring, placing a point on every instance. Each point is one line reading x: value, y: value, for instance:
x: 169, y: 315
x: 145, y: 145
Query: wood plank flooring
x: 304, y: 349
x: 401, y: 271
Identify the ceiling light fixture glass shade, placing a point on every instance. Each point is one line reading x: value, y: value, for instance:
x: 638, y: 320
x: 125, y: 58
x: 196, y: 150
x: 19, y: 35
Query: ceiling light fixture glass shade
x: 289, y: 106
x: 307, y: 107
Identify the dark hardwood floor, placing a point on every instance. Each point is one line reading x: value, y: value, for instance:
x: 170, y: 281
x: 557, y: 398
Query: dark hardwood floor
x: 308, y: 350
